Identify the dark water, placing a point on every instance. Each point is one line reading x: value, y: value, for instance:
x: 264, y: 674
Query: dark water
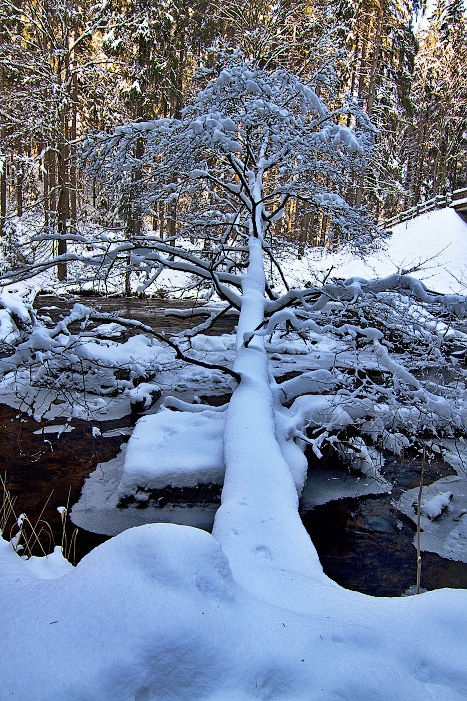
x: 147, y: 310
x: 365, y: 544
x: 43, y: 472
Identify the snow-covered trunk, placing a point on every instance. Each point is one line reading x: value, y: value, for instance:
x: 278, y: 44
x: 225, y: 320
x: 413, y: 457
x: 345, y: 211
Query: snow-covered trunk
x: 258, y: 524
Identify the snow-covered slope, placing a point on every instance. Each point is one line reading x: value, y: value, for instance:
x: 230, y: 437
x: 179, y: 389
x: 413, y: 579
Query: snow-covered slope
x: 157, y: 614
x: 436, y: 243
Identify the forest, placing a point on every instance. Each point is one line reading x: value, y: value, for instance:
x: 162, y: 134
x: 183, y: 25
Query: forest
x: 233, y: 350
x: 68, y: 70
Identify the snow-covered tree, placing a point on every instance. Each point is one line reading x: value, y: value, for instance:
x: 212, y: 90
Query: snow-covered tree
x: 251, y: 142
x: 434, y: 140
x: 48, y: 64
x: 378, y: 68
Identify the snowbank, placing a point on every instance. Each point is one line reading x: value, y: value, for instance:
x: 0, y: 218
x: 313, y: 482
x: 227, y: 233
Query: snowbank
x: 436, y: 242
x: 171, y: 448
x: 156, y: 613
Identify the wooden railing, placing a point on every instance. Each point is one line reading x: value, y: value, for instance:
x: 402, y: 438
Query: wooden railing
x: 459, y: 200
x: 437, y: 202
x: 456, y: 199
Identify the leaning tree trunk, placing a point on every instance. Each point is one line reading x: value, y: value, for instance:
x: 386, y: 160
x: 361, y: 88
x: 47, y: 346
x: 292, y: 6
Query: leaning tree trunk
x: 257, y: 523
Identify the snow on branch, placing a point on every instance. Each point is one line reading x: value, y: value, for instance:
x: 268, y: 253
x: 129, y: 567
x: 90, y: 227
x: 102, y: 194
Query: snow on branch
x: 251, y: 144
x: 314, y: 298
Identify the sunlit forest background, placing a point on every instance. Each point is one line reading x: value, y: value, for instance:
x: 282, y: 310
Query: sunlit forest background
x: 69, y: 68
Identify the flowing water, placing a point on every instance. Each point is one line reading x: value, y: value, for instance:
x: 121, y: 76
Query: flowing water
x: 364, y: 543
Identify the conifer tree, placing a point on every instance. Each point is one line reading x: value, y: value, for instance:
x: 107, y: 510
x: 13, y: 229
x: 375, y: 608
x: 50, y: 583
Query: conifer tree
x: 435, y: 142
x: 43, y: 57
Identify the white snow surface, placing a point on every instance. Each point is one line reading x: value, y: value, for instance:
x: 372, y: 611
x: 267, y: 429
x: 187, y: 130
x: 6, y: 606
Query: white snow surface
x: 8, y: 330
x: 434, y: 507
x: 170, y: 448
x: 436, y: 243
x: 158, y: 613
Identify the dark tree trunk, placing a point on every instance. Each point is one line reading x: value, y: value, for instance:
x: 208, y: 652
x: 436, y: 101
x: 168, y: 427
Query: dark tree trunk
x: 62, y: 206
x: 19, y: 191
x: 3, y: 179
x: 73, y: 166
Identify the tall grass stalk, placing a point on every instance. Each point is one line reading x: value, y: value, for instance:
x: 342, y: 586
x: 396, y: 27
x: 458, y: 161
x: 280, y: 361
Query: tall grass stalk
x: 24, y: 535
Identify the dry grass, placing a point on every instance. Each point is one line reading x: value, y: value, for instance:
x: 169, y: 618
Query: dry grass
x: 28, y: 538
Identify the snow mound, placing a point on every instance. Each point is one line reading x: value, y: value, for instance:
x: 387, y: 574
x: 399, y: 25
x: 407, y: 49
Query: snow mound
x: 156, y: 613
x: 8, y: 331
x: 209, y: 344
x: 435, y: 506
x: 169, y: 448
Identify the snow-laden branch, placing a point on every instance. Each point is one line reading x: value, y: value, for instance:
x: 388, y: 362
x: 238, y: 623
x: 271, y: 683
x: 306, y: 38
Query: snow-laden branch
x: 134, y: 323
x: 350, y: 290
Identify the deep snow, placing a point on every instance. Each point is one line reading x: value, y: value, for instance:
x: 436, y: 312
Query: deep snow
x: 435, y: 242
x: 158, y: 613
x: 165, y: 612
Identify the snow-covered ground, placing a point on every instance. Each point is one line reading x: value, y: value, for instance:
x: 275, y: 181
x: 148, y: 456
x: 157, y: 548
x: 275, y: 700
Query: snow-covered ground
x: 158, y: 613
x: 431, y: 247
x: 162, y: 612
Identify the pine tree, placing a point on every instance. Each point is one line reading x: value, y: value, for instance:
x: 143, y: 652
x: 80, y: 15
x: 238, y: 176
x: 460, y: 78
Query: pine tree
x: 435, y: 143
x: 44, y: 55
x: 382, y: 47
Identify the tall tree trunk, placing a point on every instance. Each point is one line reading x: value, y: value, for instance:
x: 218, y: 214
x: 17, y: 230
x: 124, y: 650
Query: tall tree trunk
x: 304, y: 233
x: 3, y: 179
x: 377, y: 44
x: 73, y: 165
x: 161, y: 207
x: 62, y: 204
x: 371, y: 91
x: 172, y: 221
x: 419, y: 170
x: 45, y: 191
x: 134, y: 213
x: 50, y: 188
x: 19, y: 175
x: 359, y: 191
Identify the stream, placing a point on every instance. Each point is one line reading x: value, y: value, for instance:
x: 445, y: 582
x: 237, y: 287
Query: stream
x: 363, y: 541
x: 366, y: 544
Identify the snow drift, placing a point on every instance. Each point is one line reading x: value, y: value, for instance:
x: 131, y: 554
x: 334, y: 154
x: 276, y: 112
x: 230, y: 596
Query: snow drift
x: 431, y: 247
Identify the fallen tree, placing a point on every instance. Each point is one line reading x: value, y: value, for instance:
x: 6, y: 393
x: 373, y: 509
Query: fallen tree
x: 253, y: 142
